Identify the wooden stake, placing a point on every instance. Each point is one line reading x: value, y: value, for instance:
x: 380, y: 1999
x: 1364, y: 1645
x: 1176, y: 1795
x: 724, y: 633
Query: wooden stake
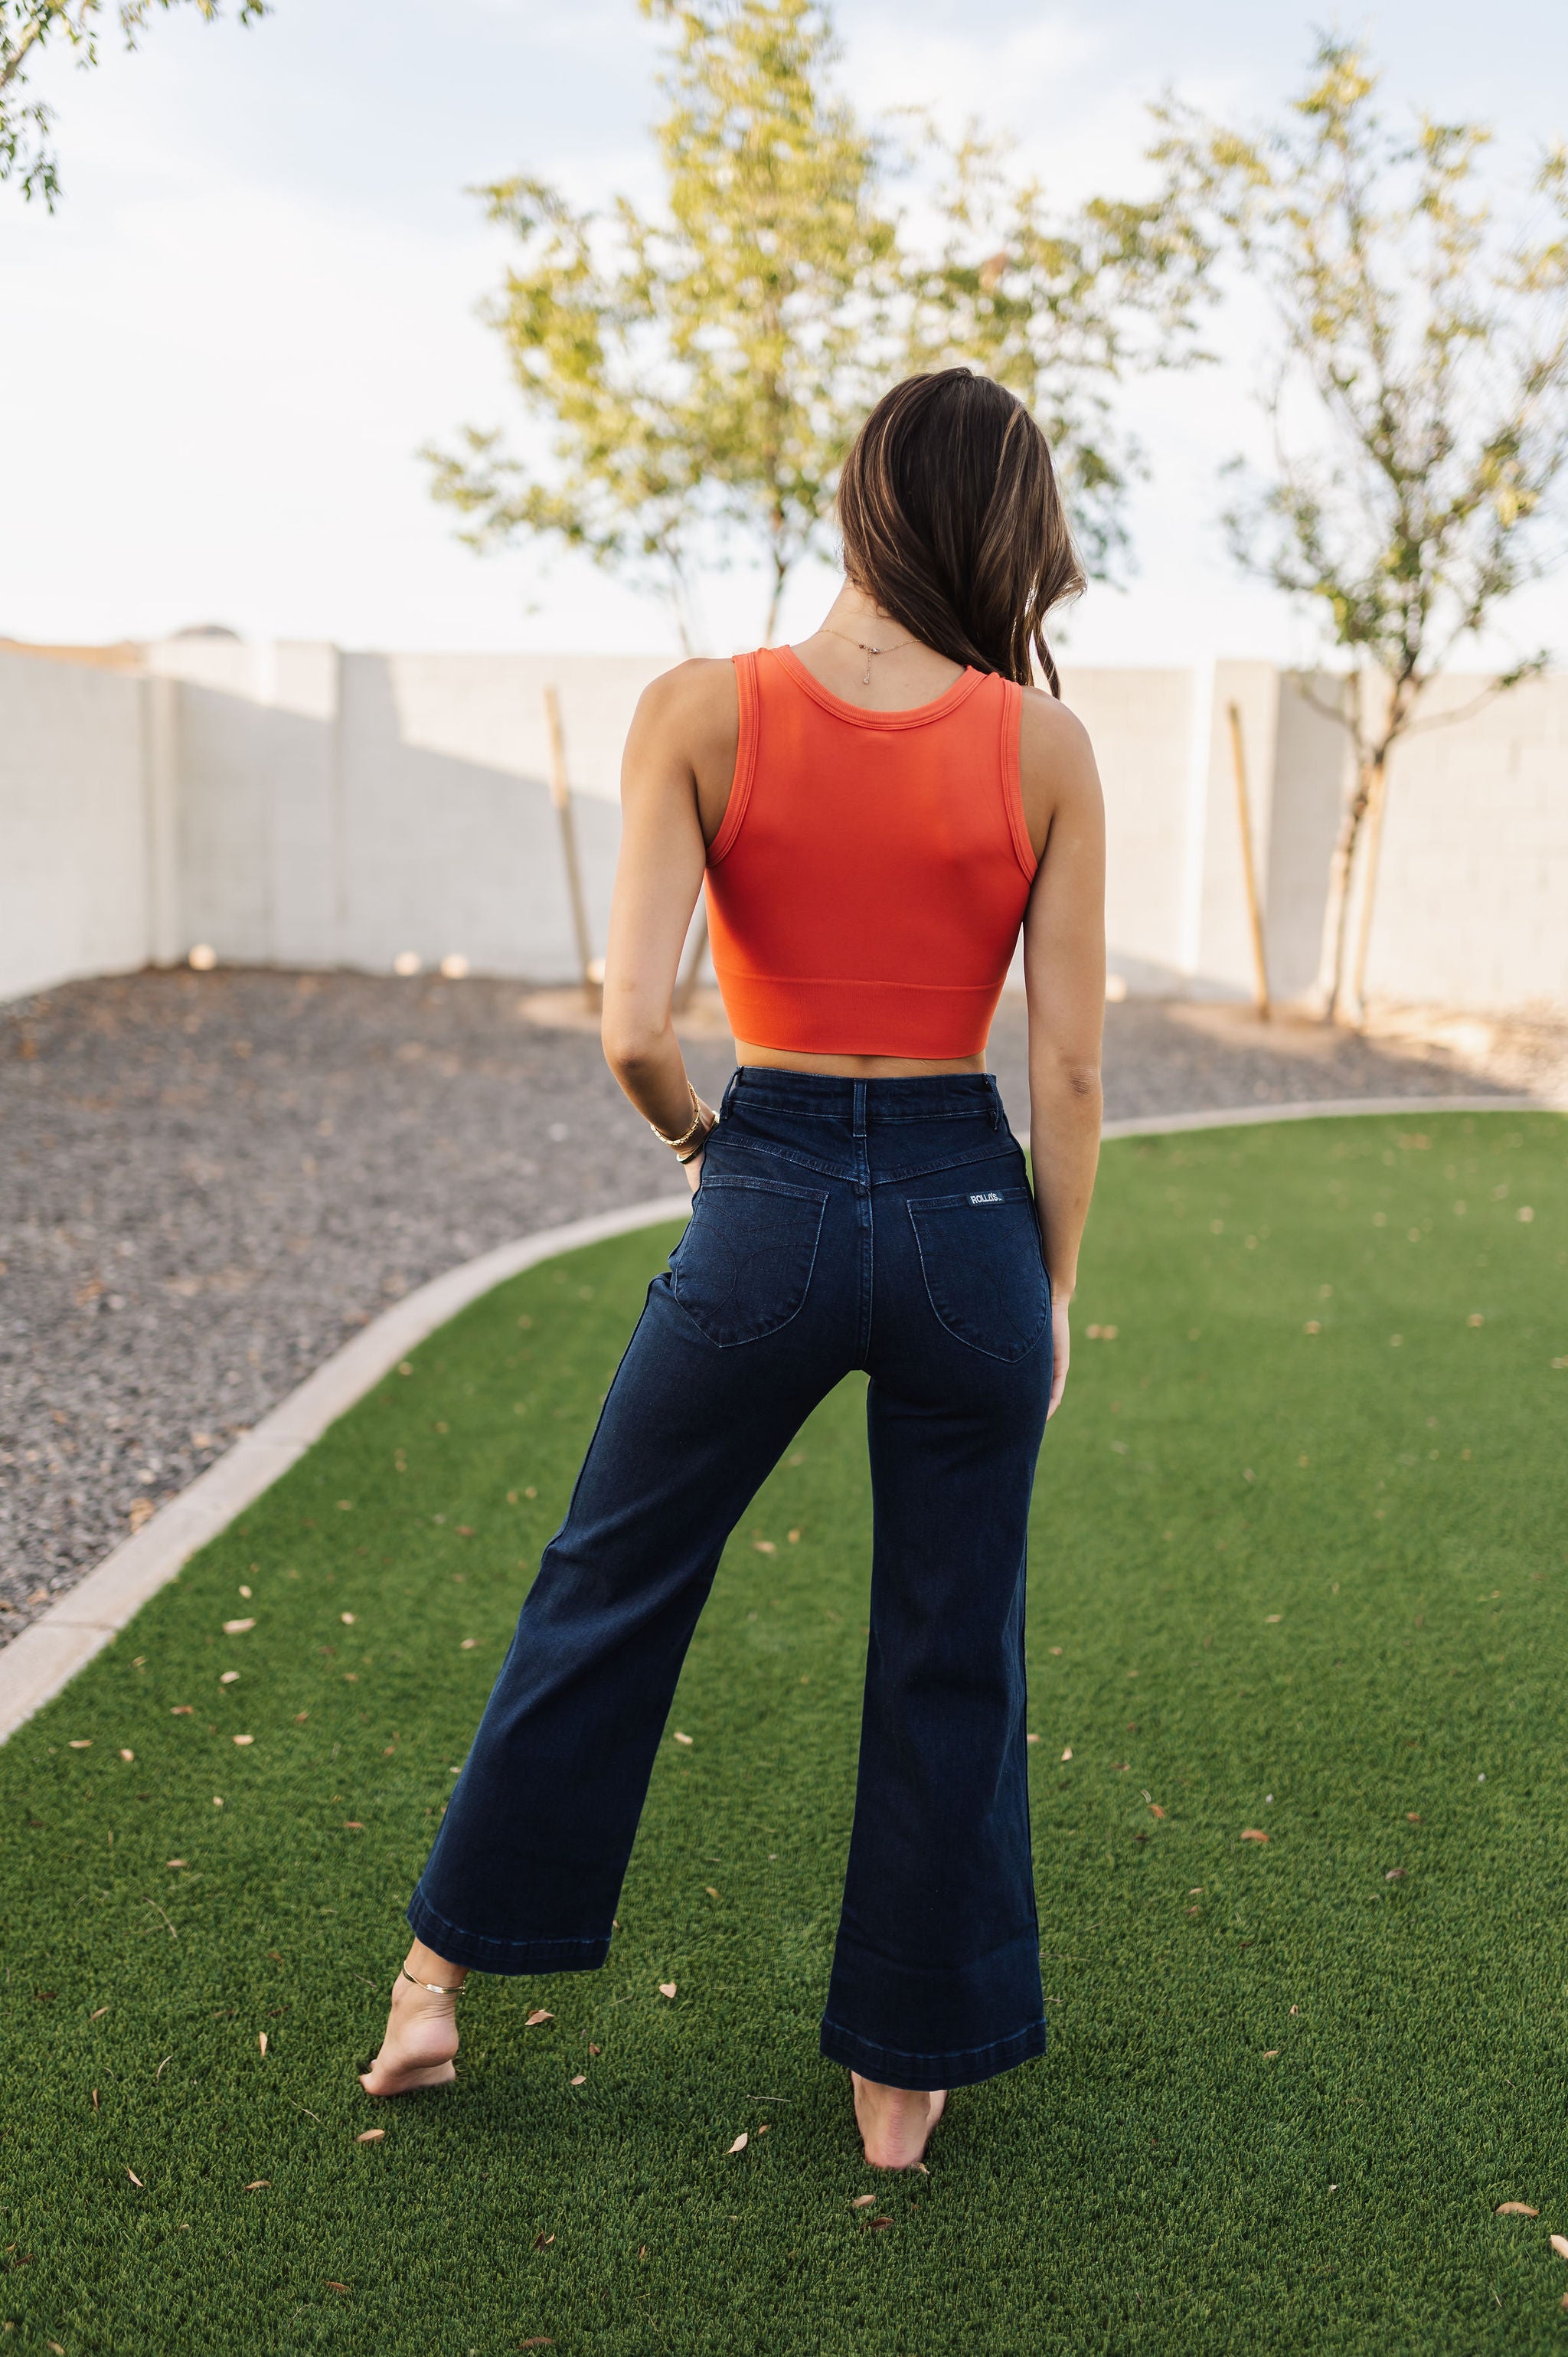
x: 560, y: 795
x: 1249, y: 870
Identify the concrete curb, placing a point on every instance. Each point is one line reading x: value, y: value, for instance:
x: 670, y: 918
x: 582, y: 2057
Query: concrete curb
x: 1330, y: 1108
x: 46, y: 1655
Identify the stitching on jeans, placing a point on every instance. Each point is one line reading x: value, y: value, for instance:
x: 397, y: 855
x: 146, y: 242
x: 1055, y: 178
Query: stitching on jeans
x: 1003, y: 1358
x: 798, y: 1194
x: 948, y: 2054
x: 993, y: 1150
x: 483, y: 1939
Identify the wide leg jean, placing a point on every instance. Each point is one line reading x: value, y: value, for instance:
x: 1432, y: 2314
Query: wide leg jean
x: 885, y: 1225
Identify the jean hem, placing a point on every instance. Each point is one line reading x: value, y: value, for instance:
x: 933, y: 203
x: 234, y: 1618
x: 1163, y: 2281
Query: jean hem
x: 479, y: 1952
x: 890, y: 2066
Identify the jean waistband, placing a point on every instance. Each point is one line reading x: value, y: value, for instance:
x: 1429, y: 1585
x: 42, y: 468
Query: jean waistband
x: 862, y: 1105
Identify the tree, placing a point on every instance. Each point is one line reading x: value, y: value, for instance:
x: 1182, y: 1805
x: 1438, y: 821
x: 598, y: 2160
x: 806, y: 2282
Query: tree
x: 1419, y: 400
x: 26, y: 26
x: 703, y: 375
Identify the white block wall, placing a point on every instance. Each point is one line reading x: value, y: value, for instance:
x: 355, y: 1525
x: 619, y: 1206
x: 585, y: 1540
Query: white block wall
x: 296, y: 805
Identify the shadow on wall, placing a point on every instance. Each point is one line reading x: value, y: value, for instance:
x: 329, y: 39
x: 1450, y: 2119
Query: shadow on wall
x: 291, y: 804
x: 331, y: 809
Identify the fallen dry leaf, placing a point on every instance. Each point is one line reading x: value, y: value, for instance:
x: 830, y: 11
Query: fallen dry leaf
x: 81, y: 1743
x: 536, y: 2016
x: 743, y: 2140
x: 1251, y: 1832
x: 370, y: 2136
x: 581, y: 2079
x: 183, y: 1710
x: 667, y: 1988
x: 127, y: 1755
x: 237, y: 1627
x: 540, y: 2339
x: 1516, y: 2210
x: 541, y: 2242
x: 243, y: 1739
x: 1155, y: 1809
x: 99, y: 2015
x: 136, y: 2180
x: 262, y: 2041
x: 1068, y: 1753
x: 877, y: 2223
x: 681, y: 1739
x: 1270, y: 2053
x: 1031, y: 1738
x: 765, y: 1547
x: 863, y: 2202
x: 175, y: 1862
x: 332, y: 2284
x: 258, y: 2185
x: 352, y: 1826
x: 1560, y: 2244
x: 595, y: 2049
x: 95, y: 2099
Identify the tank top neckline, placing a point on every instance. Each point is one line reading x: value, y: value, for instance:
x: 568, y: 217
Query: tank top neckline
x: 914, y: 716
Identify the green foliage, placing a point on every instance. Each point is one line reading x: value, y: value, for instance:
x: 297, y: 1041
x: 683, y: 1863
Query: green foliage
x: 1419, y: 393
x: 703, y: 375
x: 1284, y: 2094
x: 25, y: 26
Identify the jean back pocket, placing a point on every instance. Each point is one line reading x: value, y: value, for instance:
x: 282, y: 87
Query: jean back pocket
x: 986, y: 1276
x: 743, y: 1266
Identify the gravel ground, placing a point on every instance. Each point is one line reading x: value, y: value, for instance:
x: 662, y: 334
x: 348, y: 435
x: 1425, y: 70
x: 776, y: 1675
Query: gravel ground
x: 209, y: 1181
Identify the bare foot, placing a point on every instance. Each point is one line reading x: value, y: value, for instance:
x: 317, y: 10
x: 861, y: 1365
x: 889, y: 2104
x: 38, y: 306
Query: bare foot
x: 895, y: 2123
x: 421, y: 2034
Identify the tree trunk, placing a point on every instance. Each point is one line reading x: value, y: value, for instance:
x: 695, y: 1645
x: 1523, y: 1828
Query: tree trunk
x: 780, y: 575
x: 1376, y: 803
x: 1325, y: 999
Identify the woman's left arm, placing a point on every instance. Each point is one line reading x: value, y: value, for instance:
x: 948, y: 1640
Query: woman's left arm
x: 679, y: 725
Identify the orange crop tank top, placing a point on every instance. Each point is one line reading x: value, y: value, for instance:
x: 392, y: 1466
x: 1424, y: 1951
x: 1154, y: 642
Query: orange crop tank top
x: 866, y: 886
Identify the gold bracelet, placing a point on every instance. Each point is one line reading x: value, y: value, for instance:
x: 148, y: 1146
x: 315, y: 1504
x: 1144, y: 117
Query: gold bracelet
x: 693, y: 1126
x: 702, y: 1145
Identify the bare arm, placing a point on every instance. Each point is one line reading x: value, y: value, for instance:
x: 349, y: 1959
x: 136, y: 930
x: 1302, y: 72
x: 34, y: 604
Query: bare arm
x: 1064, y: 972
x: 679, y: 729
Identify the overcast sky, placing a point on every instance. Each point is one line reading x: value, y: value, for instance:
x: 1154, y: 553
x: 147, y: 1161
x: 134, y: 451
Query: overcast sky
x: 257, y: 298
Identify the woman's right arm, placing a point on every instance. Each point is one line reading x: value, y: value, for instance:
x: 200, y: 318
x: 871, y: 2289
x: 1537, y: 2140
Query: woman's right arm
x: 1064, y: 973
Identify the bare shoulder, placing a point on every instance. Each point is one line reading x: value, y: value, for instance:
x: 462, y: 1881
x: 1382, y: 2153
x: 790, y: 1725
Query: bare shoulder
x: 1053, y: 749
x: 1057, y: 771
x: 693, y: 701
x: 685, y: 733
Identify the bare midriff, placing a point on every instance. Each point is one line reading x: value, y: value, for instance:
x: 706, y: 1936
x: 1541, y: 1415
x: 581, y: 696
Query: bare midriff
x: 854, y: 1068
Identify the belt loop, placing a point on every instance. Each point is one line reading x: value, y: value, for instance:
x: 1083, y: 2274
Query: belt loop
x: 994, y: 1093
x: 730, y: 1087
x: 859, y: 1108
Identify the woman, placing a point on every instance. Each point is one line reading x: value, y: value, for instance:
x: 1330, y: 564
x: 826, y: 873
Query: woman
x: 877, y: 811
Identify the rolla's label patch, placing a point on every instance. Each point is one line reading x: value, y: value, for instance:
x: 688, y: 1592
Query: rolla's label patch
x: 985, y: 1199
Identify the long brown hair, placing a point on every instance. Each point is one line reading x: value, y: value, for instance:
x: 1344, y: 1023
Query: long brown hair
x: 952, y: 523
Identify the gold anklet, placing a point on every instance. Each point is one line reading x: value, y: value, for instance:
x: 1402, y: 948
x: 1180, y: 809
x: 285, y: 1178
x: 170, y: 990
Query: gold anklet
x: 434, y: 1987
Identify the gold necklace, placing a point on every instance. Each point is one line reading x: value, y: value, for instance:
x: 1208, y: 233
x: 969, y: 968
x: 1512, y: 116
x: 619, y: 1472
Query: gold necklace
x: 866, y: 648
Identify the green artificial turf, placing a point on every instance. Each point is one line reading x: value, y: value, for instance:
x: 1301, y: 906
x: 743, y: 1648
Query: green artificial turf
x: 1300, y: 1566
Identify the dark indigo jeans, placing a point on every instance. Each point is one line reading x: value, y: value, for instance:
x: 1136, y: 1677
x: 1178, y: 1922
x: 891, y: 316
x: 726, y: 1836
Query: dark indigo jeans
x: 840, y: 1225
